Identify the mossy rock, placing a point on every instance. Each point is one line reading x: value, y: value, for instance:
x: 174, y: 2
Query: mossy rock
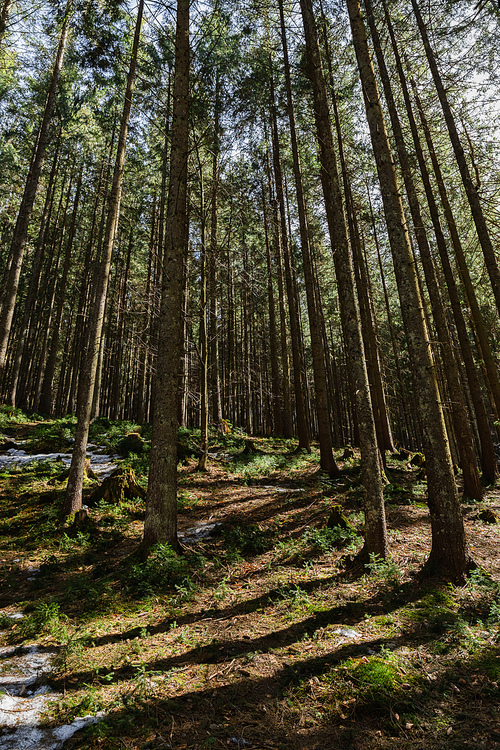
x: 121, y: 485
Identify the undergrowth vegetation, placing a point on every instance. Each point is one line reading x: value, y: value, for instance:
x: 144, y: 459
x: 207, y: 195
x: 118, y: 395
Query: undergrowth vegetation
x: 259, y: 631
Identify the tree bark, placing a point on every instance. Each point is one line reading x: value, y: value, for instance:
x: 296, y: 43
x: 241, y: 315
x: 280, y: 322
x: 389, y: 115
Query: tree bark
x: 213, y: 332
x: 295, y: 334
x: 448, y: 555
x: 472, y: 482
x: 471, y: 189
x: 23, y: 219
x: 4, y: 17
x: 73, y: 498
x: 327, y: 460
x: 463, y: 271
x: 273, y: 337
x: 161, y: 503
x: 46, y: 397
x: 375, y: 526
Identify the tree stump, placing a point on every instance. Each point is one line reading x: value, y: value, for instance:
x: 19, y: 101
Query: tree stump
x: 402, y: 455
x: 81, y: 521
x: 131, y: 443
x: 88, y: 471
x: 121, y: 485
x: 337, y: 519
x: 418, y: 460
x: 488, y: 516
x: 249, y: 448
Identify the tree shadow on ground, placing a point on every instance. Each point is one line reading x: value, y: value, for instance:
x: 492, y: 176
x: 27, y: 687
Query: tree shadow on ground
x: 300, y: 706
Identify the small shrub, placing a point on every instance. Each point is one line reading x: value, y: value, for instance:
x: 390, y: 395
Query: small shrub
x: 5, y: 621
x: 325, y: 540
x: 46, y: 617
x: 494, y: 615
x: 295, y: 595
x: 290, y: 549
x: 9, y: 416
x: 222, y: 591
x: 248, y: 540
x: 163, y: 568
x: 385, y: 570
x: 257, y: 465
x: 67, y: 543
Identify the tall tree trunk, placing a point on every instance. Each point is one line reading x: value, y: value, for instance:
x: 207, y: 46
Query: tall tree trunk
x: 382, y: 425
x: 184, y: 375
x: 463, y: 270
x: 448, y: 555
x: 49, y: 305
x: 116, y: 386
x: 470, y: 188
x: 472, y: 482
x: 73, y: 499
x: 214, y: 372
x: 273, y: 338
x: 4, y: 17
x: 277, y: 256
x: 42, y: 279
x: 327, y: 460
x: 488, y: 458
x: 204, y: 395
x: 161, y: 503
x: 295, y: 334
x: 144, y: 349
x: 375, y: 527
x: 36, y: 269
x: 46, y: 397
x: 23, y: 218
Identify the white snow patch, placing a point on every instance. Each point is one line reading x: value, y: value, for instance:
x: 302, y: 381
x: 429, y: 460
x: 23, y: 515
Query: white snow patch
x: 68, y: 730
x: 21, y: 707
x: 348, y: 633
x: 201, y: 531
x: 103, y: 465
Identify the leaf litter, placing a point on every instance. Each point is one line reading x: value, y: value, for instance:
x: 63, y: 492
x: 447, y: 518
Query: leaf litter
x: 261, y: 648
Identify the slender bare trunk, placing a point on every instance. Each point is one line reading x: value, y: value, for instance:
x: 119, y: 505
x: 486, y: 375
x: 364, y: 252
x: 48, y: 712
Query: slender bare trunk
x: 23, y: 219
x: 161, y: 503
x: 327, y: 460
x: 375, y: 526
x: 295, y: 334
x: 449, y: 548
x: 472, y: 482
x: 73, y: 500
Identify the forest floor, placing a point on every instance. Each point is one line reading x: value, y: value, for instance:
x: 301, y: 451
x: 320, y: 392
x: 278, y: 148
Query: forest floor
x: 257, y: 636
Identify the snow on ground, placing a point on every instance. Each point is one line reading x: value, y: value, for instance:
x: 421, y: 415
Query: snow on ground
x: 102, y: 464
x: 24, y: 696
